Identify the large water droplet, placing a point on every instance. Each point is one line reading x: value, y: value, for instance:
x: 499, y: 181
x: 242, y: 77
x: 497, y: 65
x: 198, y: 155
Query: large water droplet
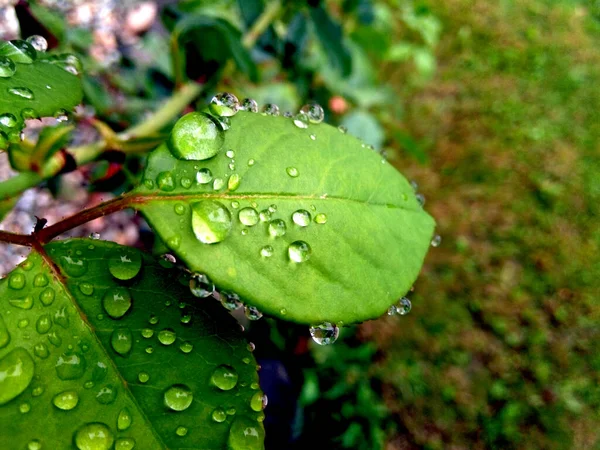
x: 301, y: 218
x: 299, y: 251
x: 325, y: 333
x: 252, y: 313
x: 47, y: 296
x: 16, y: 281
x: 125, y: 264
x: 22, y: 92
x: 38, y: 42
x: 124, y: 419
x: 270, y: 109
x: 248, y: 216
x: 167, y: 336
x: 301, y: 120
x: 224, y: 377
x: 4, y: 334
x: 70, y: 366
x: 245, y: 434
x: 249, y: 105
x: 218, y: 415
x: 211, y: 221
x: 66, y: 400
x: 106, y: 395
x: 116, y: 302
x: 43, y: 324
x: 314, y: 112
x: 16, y: 372
x: 224, y: 104
x: 230, y: 300
x: 292, y: 172
x: 196, y: 136
x: 8, y: 120
x: 259, y: 401
x: 277, y: 228
x: 121, y: 340
x: 7, y: 67
x: 178, y: 397
x: 94, y: 436
x: 125, y: 444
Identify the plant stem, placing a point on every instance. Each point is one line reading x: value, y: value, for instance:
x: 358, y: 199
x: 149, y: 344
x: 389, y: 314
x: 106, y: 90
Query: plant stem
x: 17, y: 239
x: 271, y: 12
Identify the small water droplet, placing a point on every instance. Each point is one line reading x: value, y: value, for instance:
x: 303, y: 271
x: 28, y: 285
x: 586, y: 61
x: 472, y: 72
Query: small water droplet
x: 196, y: 136
x: 186, y: 182
x: 121, y: 340
x: 179, y: 209
x: 23, y: 323
x: 40, y: 280
x: 211, y: 221
x: 125, y: 444
x: 292, y: 172
x: 249, y: 105
x: 224, y: 104
x: 153, y: 320
x: 41, y: 351
x: 248, y: 216
x: 94, y: 436
x: 404, y: 306
x: 224, y: 377
x: 181, y: 431
x: 8, y: 120
x: 204, y: 176
x: 314, y: 112
x: 61, y: 317
x: 7, y: 67
x: 24, y: 408
x: 264, y: 215
x: 259, y: 401
x: 149, y: 185
x: 22, y: 92
x: 86, y: 288
x: 186, y: 347
x: 230, y: 154
x: 277, y: 228
x: 22, y: 303
x: 234, y: 182
x: 252, y: 313
x: 34, y: 445
x: 116, y: 302
x: 16, y: 372
x: 266, y: 251
x: 414, y: 185
x: 313, y: 137
x: 251, y: 162
x: 47, y: 296
x: 165, y: 181
x: 149, y: 349
x: 270, y: 109
x: 70, y: 366
x: 301, y: 218
x: 74, y: 266
x: 392, y: 310
x: 218, y: 184
x: 421, y: 199
x: 147, y: 333
x: 143, y: 377
x: 321, y: 218
x: 61, y: 115
x: 325, y: 333
x: 301, y: 120
x: 230, y: 300
x: 16, y: 281
x: 201, y: 286
x: 106, y: 395
x: 167, y: 336
x: 218, y: 415
x: 178, y: 397
x: 124, y: 419
x: 186, y: 318
x: 436, y: 241
x: 43, y: 324
x: 38, y: 42
x: 37, y: 391
x: 54, y: 339
x: 342, y: 129
x: 299, y: 251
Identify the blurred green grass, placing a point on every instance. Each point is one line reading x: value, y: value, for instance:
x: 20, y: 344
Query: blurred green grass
x: 501, y: 349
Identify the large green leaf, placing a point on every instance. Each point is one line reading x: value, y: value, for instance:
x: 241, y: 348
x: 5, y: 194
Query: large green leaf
x: 366, y: 255
x: 100, y: 340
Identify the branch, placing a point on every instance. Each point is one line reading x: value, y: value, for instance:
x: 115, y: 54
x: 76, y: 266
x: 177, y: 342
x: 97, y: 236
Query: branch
x: 17, y: 239
x: 271, y: 12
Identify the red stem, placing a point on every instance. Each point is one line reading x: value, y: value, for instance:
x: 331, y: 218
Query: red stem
x: 17, y: 239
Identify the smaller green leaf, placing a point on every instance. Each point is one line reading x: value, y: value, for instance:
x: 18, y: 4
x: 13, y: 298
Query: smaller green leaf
x: 365, y: 126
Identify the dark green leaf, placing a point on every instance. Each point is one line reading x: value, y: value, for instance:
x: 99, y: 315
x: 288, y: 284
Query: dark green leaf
x: 365, y: 126
x: 98, y: 337
x: 331, y: 37
x: 366, y: 255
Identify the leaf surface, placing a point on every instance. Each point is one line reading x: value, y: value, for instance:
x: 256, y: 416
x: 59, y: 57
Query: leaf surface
x: 366, y: 251
x: 84, y: 353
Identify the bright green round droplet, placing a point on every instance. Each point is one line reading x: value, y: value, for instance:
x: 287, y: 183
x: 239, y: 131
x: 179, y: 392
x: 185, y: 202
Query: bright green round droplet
x: 166, y: 336
x: 321, y: 218
x: 41, y: 351
x: 86, y: 288
x: 70, y: 366
x: 178, y: 397
x: 16, y: 281
x: 181, y: 431
x: 94, y: 436
x: 186, y: 347
x: 40, y: 280
x: 248, y: 216
x: 16, y: 372
x: 292, y: 172
x: 179, y: 209
x: 7, y: 67
x: 224, y: 377
x: 121, y: 340
x: 24, y: 408
x: 124, y: 419
x: 301, y: 218
x: 211, y: 221
x: 106, y: 395
x: 234, y: 182
x: 245, y: 434
x: 66, y: 400
x: 125, y: 444
x: 186, y: 182
x: 277, y: 228
x: 224, y: 104
x: 258, y: 402
x: 74, y: 266
x: 47, y: 296
x: 34, y: 445
x: 147, y: 333
x: 165, y: 181
x: 8, y: 120
x: 43, y: 324
x: 299, y: 251
x: 196, y: 136
x: 116, y: 302
x: 143, y: 377
x: 218, y: 415
x: 125, y: 264
x: 266, y: 251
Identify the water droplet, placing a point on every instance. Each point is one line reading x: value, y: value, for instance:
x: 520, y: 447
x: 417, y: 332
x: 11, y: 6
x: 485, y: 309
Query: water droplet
x: 23, y: 323
x: 61, y: 115
x: 29, y: 113
x: 186, y: 347
x: 270, y: 109
x: 41, y: 351
x: 224, y: 377
x: 218, y: 184
x: 70, y: 366
x: 204, y: 176
x: 230, y: 154
x: 224, y: 104
x: 292, y: 172
x: 125, y: 444
x: 149, y: 184
x: 143, y: 377
x: 301, y: 120
x: 40, y: 280
x: 174, y: 241
x: 211, y: 221
x: 404, y: 306
x: 249, y: 105
x: 124, y: 419
x: 166, y: 336
x: 43, y: 324
x: 147, y: 333
x: 16, y: 281
x: 181, y: 431
x: 277, y: 228
x: 7, y: 67
x: 273, y: 208
x: 153, y: 319
x: 37, y: 391
x: 34, y: 445
x: 314, y: 112
x: 201, y: 286
x: 24, y: 408
x: 248, y: 216
x: 54, y: 339
x: 342, y: 129
x: 16, y: 372
x: 86, y: 288
x: 251, y: 162
x: 325, y: 333
x: 301, y: 218
x: 8, y: 120
x: 245, y: 434
x: 234, y: 182
x: 19, y: 51
x: 266, y: 251
x: 165, y: 181
x: 22, y: 92
x: 265, y: 215
x: 230, y: 300
x: 420, y: 199
x: 94, y: 436
x: 392, y: 310
x: 22, y: 303
x: 218, y: 415
x: 116, y: 302
x: 196, y: 136
x: 106, y: 395
x: 47, y: 296
x: 4, y: 333
x: 299, y: 251
x: 252, y: 313
x: 38, y: 42
x: 321, y: 218
x: 186, y: 318
x: 436, y: 241
x: 61, y: 317
x: 259, y: 401
x: 125, y: 264
x: 313, y: 137
x: 75, y: 267
x: 178, y: 397
x: 121, y: 340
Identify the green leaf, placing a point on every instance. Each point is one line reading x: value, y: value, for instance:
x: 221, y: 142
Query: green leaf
x: 24, y: 157
x: 366, y: 251
x: 331, y: 38
x: 365, y: 126
x: 100, y: 338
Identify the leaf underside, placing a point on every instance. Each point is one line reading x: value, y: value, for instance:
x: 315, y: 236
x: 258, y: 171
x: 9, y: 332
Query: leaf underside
x: 57, y: 335
x: 367, y: 254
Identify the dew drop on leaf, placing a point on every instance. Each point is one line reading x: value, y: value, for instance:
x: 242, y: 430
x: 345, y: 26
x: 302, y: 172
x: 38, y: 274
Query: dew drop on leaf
x: 245, y: 434
x: 153, y: 320
x: 218, y: 184
x: 404, y: 306
x: 181, y: 431
x: 121, y: 340
x: 75, y: 267
x: 34, y: 445
x: 277, y: 228
x: 94, y: 436
x: 342, y: 129
x: 166, y: 336
x: 321, y: 218
x: 106, y: 395
x: 436, y: 241
x: 301, y: 218
x: 230, y: 301
x: 124, y: 419
x: 224, y: 104
x: 421, y: 199
x: 40, y: 280
x: 7, y: 67
x: 204, y: 176
x: 252, y: 313
x: 178, y: 397
x: 325, y: 333
x: 125, y: 264
x: 259, y: 401
x: 314, y: 112
x: 270, y: 109
x: 54, y: 339
x: 147, y: 333
x: 24, y: 408
x: 224, y: 377
x: 234, y: 182
x: 22, y: 92
x: 186, y: 182
x: 196, y: 136
x: 38, y: 42
x: 165, y: 181
x: 143, y: 377
x: 86, y: 288
x: 266, y: 251
x: 116, y: 302
x: 8, y: 120
x: 16, y: 372
x: 292, y: 172
x: 43, y: 324
x: 16, y: 281
x: 211, y: 221
x: 249, y: 105
x: 248, y: 216
x: 201, y: 286
x: 70, y: 366
x: 125, y: 444
x: 186, y: 347
x: 301, y: 120
x: 22, y: 303
x: 19, y: 51
x: 299, y: 251
x: 218, y: 415
x: 47, y: 296
x: 264, y: 215
x: 41, y: 351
